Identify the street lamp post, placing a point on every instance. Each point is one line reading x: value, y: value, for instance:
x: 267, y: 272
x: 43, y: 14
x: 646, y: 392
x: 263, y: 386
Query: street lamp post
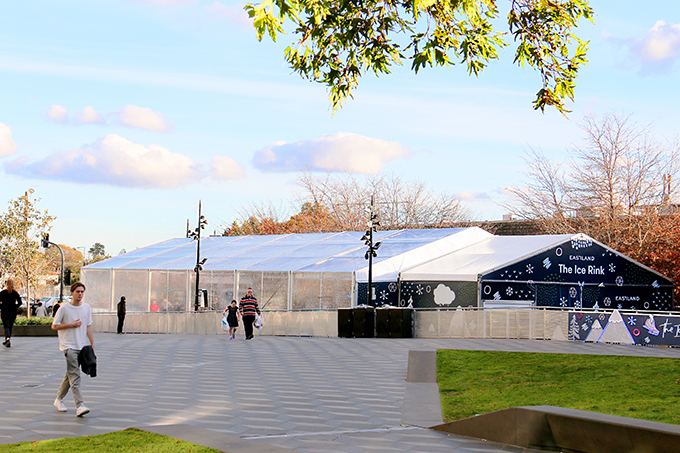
x: 196, y: 235
x: 373, y: 224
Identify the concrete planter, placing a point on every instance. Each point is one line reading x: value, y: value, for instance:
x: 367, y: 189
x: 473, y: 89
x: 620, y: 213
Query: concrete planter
x: 33, y: 331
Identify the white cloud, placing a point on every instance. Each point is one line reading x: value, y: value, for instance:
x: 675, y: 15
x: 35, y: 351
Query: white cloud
x: 222, y: 167
x: 469, y: 196
x: 662, y: 43
x: 343, y: 151
x: 7, y: 145
x: 116, y: 161
x: 658, y: 50
x: 57, y: 113
x: 232, y: 13
x: 89, y: 116
x: 143, y: 118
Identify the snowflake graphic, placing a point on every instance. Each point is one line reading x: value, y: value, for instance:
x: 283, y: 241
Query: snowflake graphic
x: 509, y: 291
x: 392, y: 287
x: 607, y: 301
x: 620, y: 306
x: 612, y: 267
x: 563, y: 302
x: 572, y: 292
x: 530, y: 269
x: 577, y: 304
x: 589, y: 319
x: 632, y: 321
x: 419, y: 290
x: 384, y: 295
x: 619, y: 281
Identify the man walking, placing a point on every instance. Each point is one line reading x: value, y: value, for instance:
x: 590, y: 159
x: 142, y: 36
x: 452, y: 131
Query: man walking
x: 248, y: 309
x: 73, y: 324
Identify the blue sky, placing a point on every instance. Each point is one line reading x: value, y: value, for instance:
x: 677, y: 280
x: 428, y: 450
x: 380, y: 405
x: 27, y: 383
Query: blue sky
x: 122, y: 114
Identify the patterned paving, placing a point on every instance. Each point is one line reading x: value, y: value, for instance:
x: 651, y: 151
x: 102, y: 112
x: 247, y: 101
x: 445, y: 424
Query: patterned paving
x: 301, y: 394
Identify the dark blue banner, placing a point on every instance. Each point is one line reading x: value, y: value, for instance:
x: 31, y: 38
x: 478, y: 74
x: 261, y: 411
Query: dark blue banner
x: 622, y: 328
x: 580, y: 273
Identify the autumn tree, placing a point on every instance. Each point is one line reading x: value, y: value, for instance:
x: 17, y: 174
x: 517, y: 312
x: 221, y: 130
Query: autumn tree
x: 617, y: 188
x: 339, y: 41
x: 73, y: 259
x: 21, y: 228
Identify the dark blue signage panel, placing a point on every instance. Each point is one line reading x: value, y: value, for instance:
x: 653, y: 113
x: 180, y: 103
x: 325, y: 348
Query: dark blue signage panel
x: 649, y: 329
x: 581, y: 274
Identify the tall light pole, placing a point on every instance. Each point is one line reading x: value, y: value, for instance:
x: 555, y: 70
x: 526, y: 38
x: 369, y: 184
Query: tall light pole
x: 196, y: 235
x: 373, y: 224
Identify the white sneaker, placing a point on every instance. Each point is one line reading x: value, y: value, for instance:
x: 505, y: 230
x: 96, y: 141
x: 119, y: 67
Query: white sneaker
x: 59, y: 404
x: 82, y: 410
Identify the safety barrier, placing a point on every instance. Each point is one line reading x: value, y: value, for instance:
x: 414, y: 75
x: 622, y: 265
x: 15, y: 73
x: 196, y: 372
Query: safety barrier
x: 524, y: 323
x: 283, y: 323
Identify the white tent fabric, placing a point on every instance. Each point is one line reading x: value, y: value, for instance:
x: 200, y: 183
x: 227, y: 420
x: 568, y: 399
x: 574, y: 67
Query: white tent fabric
x: 468, y: 263
x: 388, y: 269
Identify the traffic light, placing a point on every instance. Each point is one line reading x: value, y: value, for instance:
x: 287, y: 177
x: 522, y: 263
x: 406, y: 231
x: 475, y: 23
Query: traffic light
x: 45, y: 241
x: 67, y: 276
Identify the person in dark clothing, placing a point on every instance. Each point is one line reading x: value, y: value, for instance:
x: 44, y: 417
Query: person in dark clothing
x: 249, y: 309
x: 232, y: 318
x: 10, y: 301
x: 121, y: 315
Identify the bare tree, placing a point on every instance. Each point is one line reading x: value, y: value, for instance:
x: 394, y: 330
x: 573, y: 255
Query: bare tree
x: 617, y: 188
x: 340, y: 203
x: 399, y: 203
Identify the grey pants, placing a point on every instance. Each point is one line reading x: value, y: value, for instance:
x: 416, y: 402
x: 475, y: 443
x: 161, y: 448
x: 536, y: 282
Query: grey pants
x: 72, y: 378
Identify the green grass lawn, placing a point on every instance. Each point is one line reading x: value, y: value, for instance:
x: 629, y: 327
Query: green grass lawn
x: 477, y: 382
x: 129, y: 441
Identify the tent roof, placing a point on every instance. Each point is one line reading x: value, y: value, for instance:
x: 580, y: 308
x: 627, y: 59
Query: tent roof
x: 468, y: 263
x: 317, y: 252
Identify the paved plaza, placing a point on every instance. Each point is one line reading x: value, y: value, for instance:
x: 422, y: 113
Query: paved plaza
x: 270, y: 394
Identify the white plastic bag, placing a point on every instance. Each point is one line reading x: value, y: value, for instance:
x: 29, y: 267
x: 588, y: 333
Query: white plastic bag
x: 225, y: 323
x: 258, y: 324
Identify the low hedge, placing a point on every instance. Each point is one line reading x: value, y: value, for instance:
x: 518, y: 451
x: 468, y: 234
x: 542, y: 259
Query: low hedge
x: 33, y: 321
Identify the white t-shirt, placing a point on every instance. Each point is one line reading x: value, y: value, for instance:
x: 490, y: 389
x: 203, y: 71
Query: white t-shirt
x: 75, y: 338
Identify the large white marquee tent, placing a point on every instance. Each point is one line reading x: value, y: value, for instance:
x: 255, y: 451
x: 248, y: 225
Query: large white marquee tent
x: 328, y: 270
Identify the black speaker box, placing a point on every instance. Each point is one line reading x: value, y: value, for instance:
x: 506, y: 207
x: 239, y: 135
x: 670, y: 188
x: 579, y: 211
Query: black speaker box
x: 382, y: 322
x: 364, y: 322
x: 345, y: 323
x: 401, y: 322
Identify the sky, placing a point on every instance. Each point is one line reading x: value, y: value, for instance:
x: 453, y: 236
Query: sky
x: 123, y: 114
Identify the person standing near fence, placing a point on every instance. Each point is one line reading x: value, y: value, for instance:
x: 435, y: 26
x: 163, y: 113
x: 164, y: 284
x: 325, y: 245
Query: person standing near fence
x: 249, y: 310
x: 73, y: 324
x: 121, y: 315
x: 10, y: 301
